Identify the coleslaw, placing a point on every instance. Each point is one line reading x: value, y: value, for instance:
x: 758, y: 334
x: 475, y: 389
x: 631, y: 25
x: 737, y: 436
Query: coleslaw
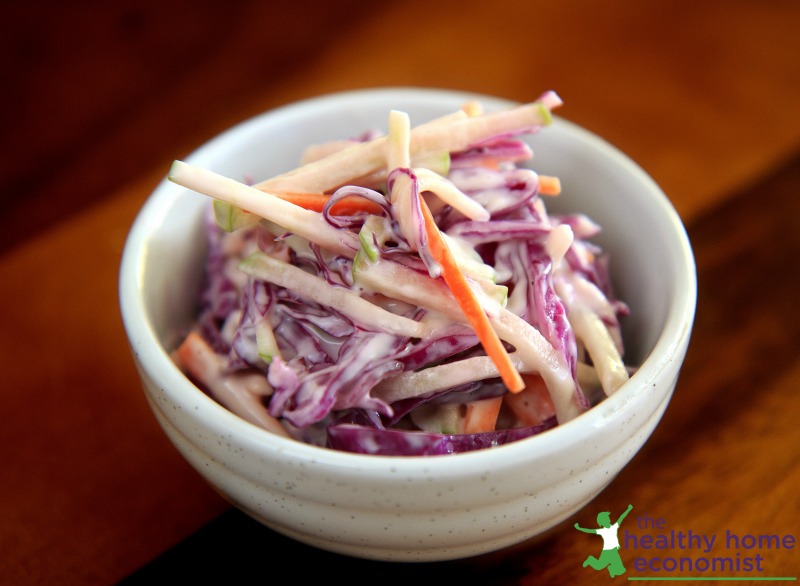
x: 406, y: 292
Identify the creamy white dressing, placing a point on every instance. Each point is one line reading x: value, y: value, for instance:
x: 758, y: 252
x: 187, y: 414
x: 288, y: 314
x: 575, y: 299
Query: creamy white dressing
x: 391, y: 299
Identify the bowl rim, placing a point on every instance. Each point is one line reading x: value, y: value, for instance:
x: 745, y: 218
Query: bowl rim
x: 155, y: 360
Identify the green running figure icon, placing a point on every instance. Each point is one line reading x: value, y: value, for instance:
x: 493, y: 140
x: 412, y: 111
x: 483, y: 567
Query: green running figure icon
x: 609, y: 557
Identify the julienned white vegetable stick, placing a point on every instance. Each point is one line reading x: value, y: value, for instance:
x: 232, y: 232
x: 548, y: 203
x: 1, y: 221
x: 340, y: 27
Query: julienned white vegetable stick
x: 534, y: 352
x: 240, y: 392
x: 450, y: 194
x: 306, y: 223
x: 436, y: 378
x: 595, y: 300
x: 537, y: 354
x: 438, y: 162
x: 315, y: 152
x: 558, y: 242
x: 346, y: 301
x: 453, y: 134
x: 341, y: 167
x: 587, y: 376
x: 266, y: 344
x: 591, y: 330
x: 586, y: 306
x: 397, y: 154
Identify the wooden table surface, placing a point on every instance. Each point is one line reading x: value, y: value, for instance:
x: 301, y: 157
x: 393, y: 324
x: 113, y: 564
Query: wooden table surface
x: 103, y: 96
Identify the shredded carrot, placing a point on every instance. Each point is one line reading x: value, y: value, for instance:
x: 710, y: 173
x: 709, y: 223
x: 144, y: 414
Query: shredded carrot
x: 469, y: 303
x: 482, y: 415
x: 549, y: 185
x: 194, y: 357
x: 533, y: 405
x: 347, y: 206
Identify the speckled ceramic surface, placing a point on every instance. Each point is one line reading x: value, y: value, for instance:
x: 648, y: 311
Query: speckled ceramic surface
x: 404, y: 508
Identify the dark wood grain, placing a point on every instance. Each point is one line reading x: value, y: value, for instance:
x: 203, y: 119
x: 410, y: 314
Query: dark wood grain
x: 100, y: 91
x: 701, y: 94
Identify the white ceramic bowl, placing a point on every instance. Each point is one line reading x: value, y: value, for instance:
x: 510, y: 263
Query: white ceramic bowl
x: 413, y: 508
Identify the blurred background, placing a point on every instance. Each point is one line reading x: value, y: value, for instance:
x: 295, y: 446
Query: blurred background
x: 98, y: 93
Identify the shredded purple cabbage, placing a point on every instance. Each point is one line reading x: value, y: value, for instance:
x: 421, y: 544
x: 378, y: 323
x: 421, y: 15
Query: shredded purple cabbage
x: 329, y: 363
x: 391, y: 442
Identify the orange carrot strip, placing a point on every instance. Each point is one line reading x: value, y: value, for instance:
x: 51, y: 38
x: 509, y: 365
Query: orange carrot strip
x: 347, y: 206
x: 482, y: 415
x: 549, y: 185
x: 240, y: 392
x: 533, y: 405
x: 469, y: 303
